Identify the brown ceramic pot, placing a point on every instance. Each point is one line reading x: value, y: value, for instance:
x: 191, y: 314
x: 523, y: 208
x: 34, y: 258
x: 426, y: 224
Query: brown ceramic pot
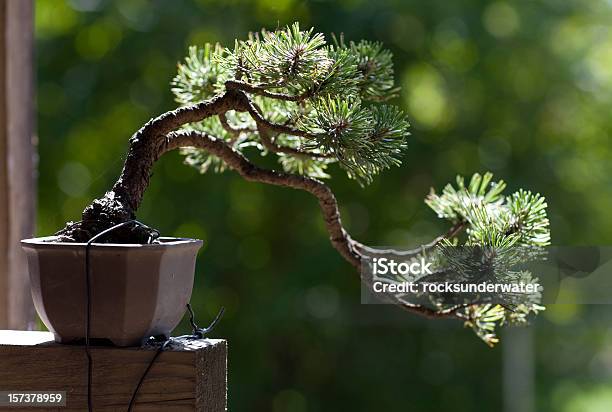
x: 137, y: 291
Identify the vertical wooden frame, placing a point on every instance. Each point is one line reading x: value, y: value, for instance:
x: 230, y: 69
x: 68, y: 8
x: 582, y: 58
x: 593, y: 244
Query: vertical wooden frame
x: 17, y: 161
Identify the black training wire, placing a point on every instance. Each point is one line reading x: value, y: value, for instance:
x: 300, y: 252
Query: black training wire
x: 88, y: 303
x: 197, y: 332
x: 142, y: 378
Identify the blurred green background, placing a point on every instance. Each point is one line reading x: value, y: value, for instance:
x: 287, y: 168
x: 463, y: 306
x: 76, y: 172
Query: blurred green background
x: 520, y: 88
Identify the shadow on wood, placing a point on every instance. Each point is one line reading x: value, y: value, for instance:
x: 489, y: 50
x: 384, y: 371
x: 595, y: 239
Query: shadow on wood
x: 187, y: 376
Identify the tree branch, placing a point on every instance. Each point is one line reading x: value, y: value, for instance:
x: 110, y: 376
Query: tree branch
x: 159, y: 136
x: 261, y: 91
x: 451, y: 233
x: 234, y: 131
x: 339, y: 238
x: 123, y: 200
x: 274, y: 147
x: 273, y: 127
x: 265, y: 127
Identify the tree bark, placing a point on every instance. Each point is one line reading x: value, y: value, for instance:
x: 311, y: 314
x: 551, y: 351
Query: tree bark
x: 159, y: 136
x: 122, y: 201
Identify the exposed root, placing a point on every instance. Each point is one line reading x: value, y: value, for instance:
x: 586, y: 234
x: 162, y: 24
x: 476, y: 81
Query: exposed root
x: 103, y: 214
x: 84, y: 230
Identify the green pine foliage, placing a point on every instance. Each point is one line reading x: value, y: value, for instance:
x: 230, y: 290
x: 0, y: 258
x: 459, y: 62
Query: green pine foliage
x: 493, y: 220
x: 332, y: 93
x: 505, y: 230
x: 376, y: 68
x: 200, y: 76
x: 329, y: 99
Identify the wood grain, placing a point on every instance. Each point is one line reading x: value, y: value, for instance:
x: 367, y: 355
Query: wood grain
x: 17, y: 183
x: 188, y: 376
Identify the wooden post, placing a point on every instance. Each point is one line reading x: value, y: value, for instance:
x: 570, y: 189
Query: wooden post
x: 17, y: 183
x: 188, y: 376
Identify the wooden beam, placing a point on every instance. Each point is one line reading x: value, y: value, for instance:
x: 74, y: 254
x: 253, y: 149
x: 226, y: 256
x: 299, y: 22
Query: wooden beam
x: 188, y: 376
x: 17, y: 183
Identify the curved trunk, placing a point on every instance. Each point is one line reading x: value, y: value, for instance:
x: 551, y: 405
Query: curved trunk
x: 146, y: 146
x: 158, y: 137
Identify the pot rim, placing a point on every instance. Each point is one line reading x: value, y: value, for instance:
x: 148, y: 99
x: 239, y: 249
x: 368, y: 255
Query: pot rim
x: 48, y: 242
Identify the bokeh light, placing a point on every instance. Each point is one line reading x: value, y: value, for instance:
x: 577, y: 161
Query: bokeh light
x: 519, y: 88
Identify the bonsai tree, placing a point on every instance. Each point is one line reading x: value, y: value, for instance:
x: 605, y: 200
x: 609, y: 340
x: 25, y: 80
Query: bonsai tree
x: 291, y: 94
